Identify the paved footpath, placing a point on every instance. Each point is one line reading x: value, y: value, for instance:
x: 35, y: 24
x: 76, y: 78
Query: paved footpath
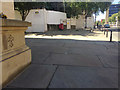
x: 62, y: 63
x: 77, y: 35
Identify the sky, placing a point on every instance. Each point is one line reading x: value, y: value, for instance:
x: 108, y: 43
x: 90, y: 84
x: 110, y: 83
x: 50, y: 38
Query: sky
x: 101, y: 15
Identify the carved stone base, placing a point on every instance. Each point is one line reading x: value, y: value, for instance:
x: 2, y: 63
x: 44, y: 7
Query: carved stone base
x: 13, y: 65
x: 14, y: 54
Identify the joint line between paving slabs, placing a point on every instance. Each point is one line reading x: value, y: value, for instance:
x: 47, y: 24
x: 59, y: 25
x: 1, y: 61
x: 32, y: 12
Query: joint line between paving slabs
x: 74, y: 65
x: 52, y: 76
x: 63, y: 44
x: 100, y: 61
x: 105, y: 47
x: 46, y: 58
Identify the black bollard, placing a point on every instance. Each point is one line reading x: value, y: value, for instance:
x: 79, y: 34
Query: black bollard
x: 111, y: 36
x: 104, y: 32
x: 107, y: 33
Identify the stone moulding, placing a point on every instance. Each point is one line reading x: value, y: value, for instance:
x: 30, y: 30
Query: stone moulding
x: 14, y: 23
x: 15, y: 55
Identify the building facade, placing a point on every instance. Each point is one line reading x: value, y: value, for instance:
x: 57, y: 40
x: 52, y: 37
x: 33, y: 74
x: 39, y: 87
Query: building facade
x: 43, y: 20
x: 115, y: 8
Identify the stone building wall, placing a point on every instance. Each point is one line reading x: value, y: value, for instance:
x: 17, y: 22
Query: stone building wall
x: 18, y: 15
x: 8, y: 9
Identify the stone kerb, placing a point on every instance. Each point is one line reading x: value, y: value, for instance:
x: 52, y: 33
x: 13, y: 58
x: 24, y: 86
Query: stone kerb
x: 14, y: 52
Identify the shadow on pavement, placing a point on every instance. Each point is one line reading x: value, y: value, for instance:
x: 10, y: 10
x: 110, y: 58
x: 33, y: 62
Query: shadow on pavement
x: 66, y: 32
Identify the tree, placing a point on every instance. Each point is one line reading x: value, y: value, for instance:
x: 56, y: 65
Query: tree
x: 113, y: 17
x: 73, y: 9
x: 56, y: 6
x: 110, y: 20
x: 25, y: 7
x: 119, y: 16
x: 86, y: 8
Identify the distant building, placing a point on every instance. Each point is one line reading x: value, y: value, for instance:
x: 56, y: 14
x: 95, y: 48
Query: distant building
x: 114, y: 8
x: 43, y: 20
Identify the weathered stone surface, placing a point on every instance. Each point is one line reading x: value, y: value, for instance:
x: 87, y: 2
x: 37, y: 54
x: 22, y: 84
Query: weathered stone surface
x: 38, y: 57
x: 40, y: 41
x: 13, y: 23
x: 70, y: 59
x: 14, y: 52
x: 82, y: 64
x: 12, y: 66
x: 35, y: 76
x: 83, y: 46
x: 43, y: 49
x: 47, y: 44
x: 48, y: 49
x: 8, y: 9
x: 87, y: 51
x: 104, y: 43
x: 110, y: 61
x: 84, y: 77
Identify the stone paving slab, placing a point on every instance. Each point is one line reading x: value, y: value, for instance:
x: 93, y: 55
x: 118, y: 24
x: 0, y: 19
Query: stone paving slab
x: 104, y: 43
x: 88, y: 51
x: 39, y: 42
x: 84, y: 77
x: 113, y: 52
x: 70, y: 59
x: 38, y: 56
x: 83, y: 45
x: 47, y: 44
x: 43, y: 49
x: 36, y: 76
x: 43, y: 40
x: 93, y: 51
x: 49, y: 49
x: 110, y: 61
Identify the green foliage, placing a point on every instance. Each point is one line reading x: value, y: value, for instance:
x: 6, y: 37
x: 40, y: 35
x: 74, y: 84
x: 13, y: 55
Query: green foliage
x: 110, y: 20
x: 119, y: 15
x: 77, y: 8
x: 103, y: 22
x: 99, y: 23
x: 73, y: 9
x: 113, y: 17
x: 25, y: 7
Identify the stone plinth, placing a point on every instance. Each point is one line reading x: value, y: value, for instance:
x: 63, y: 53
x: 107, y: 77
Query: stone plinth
x: 7, y: 8
x: 14, y: 54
